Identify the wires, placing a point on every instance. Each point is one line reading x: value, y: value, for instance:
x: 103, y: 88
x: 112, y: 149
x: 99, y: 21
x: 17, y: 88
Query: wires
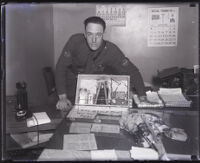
x: 37, y: 129
x: 119, y: 91
x: 119, y: 82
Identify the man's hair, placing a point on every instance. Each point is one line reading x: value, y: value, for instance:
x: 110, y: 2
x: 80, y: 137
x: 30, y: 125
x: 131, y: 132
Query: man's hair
x: 96, y: 20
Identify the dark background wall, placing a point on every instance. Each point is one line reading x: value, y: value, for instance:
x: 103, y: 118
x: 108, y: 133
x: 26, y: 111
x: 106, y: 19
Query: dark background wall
x: 36, y: 34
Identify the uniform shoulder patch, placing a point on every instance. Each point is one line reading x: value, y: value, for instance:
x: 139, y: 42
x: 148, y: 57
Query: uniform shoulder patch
x: 125, y: 62
x: 67, y: 54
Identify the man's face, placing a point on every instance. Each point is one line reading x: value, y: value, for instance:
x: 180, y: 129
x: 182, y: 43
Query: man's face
x: 94, y: 35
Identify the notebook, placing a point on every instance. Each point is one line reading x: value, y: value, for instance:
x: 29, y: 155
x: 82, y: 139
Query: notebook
x: 101, y: 94
x: 173, y: 97
x: 38, y: 119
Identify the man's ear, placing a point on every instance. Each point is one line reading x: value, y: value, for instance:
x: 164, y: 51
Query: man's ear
x: 85, y: 34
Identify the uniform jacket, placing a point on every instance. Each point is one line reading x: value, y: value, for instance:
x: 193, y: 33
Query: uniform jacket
x: 76, y: 57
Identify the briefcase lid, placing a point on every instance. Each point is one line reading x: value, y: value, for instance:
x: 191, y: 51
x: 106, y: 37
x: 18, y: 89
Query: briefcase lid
x: 103, y: 90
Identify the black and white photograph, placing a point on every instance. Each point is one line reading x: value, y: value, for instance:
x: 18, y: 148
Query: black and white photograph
x: 100, y: 81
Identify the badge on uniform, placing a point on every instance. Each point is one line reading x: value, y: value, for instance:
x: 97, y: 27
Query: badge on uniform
x: 125, y: 62
x: 67, y: 54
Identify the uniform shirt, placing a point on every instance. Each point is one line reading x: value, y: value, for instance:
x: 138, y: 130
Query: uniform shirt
x: 77, y: 57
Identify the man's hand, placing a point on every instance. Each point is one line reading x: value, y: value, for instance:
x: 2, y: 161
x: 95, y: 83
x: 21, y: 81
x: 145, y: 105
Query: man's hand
x: 63, y: 103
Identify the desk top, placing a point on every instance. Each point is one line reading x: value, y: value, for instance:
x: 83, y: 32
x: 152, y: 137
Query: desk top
x: 15, y: 126
x: 124, y: 140
x: 175, y: 117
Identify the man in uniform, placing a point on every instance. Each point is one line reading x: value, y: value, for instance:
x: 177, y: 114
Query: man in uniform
x: 89, y: 53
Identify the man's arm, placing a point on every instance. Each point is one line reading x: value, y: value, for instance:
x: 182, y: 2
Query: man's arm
x: 62, y: 71
x: 62, y: 74
x: 124, y: 67
x: 64, y: 103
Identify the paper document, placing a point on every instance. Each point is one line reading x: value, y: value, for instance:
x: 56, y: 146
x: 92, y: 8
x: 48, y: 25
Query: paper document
x: 175, y: 157
x: 41, y: 117
x: 173, y: 97
x: 77, y: 127
x: 152, y: 97
x: 79, y: 142
x: 29, y: 139
x: 103, y: 155
x: 106, y: 128
x: 140, y: 153
x: 64, y: 155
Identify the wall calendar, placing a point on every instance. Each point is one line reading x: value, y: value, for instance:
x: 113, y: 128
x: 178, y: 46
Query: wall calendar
x: 162, y: 26
x: 114, y: 15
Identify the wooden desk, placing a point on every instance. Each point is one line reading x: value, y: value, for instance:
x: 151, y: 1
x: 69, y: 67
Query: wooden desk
x: 124, y: 141
x: 175, y: 117
x: 13, y: 126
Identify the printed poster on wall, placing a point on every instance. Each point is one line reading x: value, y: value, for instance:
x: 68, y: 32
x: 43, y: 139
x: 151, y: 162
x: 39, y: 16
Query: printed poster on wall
x: 162, y: 26
x: 114, y: 15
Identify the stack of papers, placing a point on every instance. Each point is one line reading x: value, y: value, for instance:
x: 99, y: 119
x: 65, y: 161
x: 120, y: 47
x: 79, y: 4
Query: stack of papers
x: 152, y: 97
x: 140, y: 153
x: 173, y: 97
x: 101, y: 155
